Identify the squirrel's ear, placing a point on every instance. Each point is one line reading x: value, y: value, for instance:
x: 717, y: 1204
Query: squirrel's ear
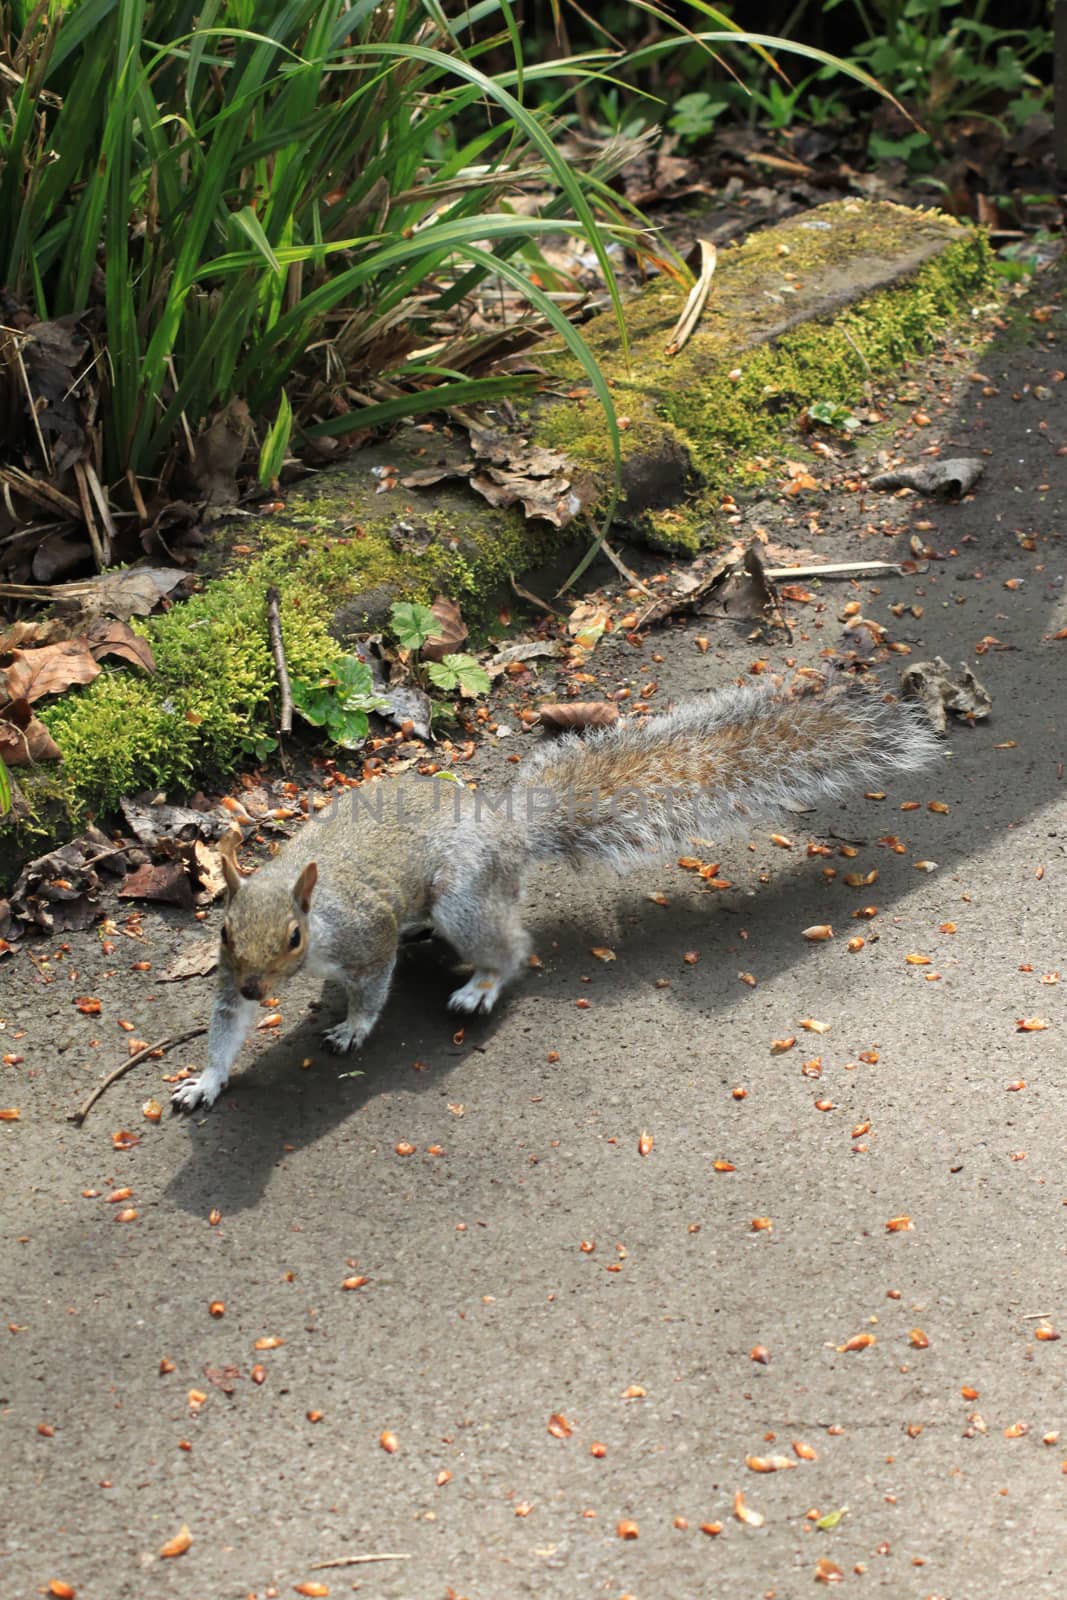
x: 303, y: 886
x: 228, y: 855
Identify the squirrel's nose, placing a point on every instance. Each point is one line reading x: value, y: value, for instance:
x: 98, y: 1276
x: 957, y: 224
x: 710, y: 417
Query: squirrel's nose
x: 252, y: 988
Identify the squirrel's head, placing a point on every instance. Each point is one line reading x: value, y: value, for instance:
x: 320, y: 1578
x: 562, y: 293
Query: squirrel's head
x: 264, y: 938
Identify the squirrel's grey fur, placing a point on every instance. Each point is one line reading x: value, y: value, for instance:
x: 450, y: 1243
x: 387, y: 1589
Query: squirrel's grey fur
x: 408, y: 853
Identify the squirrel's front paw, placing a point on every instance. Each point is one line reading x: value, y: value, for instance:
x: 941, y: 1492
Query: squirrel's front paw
x: 196, y: 1092
x: 479, y: 993
x: 343, y: 1037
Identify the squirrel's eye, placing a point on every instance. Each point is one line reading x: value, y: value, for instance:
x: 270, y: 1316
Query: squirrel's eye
x: 294, y: 939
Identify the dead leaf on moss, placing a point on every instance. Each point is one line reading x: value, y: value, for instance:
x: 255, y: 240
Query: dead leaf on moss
x: 49, y: 669
x: 109, y: 637
x: 23, y: 737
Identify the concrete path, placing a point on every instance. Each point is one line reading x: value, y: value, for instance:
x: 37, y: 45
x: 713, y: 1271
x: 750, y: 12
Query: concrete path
x: 527, y: 1263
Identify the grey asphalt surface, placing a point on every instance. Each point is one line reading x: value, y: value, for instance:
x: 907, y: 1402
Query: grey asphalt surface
x: 483, y: 1316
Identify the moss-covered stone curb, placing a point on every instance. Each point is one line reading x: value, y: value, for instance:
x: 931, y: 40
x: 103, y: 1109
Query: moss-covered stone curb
x: 805, y: 311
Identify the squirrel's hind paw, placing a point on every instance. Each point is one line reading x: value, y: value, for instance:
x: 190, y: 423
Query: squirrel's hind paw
x: 479, y: 993
x: 196, y: 1093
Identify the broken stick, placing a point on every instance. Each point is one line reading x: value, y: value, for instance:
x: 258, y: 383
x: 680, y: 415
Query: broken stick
x: 277, y: 650
x: 357, y: 1561
x: 162, y: 1045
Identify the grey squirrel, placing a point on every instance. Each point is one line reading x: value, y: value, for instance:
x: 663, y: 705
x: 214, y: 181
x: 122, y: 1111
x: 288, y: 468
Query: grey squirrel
x: 405, y: 854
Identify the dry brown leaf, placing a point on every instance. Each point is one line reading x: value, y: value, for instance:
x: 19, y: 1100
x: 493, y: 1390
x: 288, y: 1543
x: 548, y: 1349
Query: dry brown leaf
x: 827, y: 1571
x: 744, y: 1513
x: 48, y: 670
x: 918, y: 1339
x: 559, y: 1427
x: 450, y: 632
x: 900, y: 1225
x: 1031, y: 1025
x: 806, y: 1452
x: 858, y: 1341
x: 178, y: 1545
x: 23, y: 737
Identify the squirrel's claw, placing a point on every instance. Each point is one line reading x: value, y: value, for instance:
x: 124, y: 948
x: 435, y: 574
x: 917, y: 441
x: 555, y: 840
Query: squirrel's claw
x: 341, y: 1038
x: 479, y: 993
x: 195, y: 1093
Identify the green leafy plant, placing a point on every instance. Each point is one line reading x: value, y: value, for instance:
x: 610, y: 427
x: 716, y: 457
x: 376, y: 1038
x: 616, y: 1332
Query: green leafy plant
x: 339, y: 701
x: 832, y: 414
x: 5, y: 790
x: 694, y: 115
x: 413, y: 624
x: 945, y: 64
x: 267, y: 199
x: 260, y: 747
x: 460, y: 672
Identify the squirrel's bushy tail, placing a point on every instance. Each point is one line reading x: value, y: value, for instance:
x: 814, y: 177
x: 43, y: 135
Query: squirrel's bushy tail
x: 710, y: 768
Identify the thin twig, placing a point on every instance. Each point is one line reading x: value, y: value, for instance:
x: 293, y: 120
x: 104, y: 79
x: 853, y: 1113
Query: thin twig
x: 188, y: 432
x: 855, y: 346
x: 81, y: 478
x: 356, y: 1561
x: 832, y: 570
x: 46, y: 454
x: 79, y: 1116
x: 620, y: 567
x: 103, y: 510
x: 277, y: 650
x: 523, y: 594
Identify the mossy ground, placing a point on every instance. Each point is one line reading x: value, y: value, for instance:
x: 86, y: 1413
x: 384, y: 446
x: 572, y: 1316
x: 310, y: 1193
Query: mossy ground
x: 734, y: 393
x: 214, y: 688
x: 727, y: 400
